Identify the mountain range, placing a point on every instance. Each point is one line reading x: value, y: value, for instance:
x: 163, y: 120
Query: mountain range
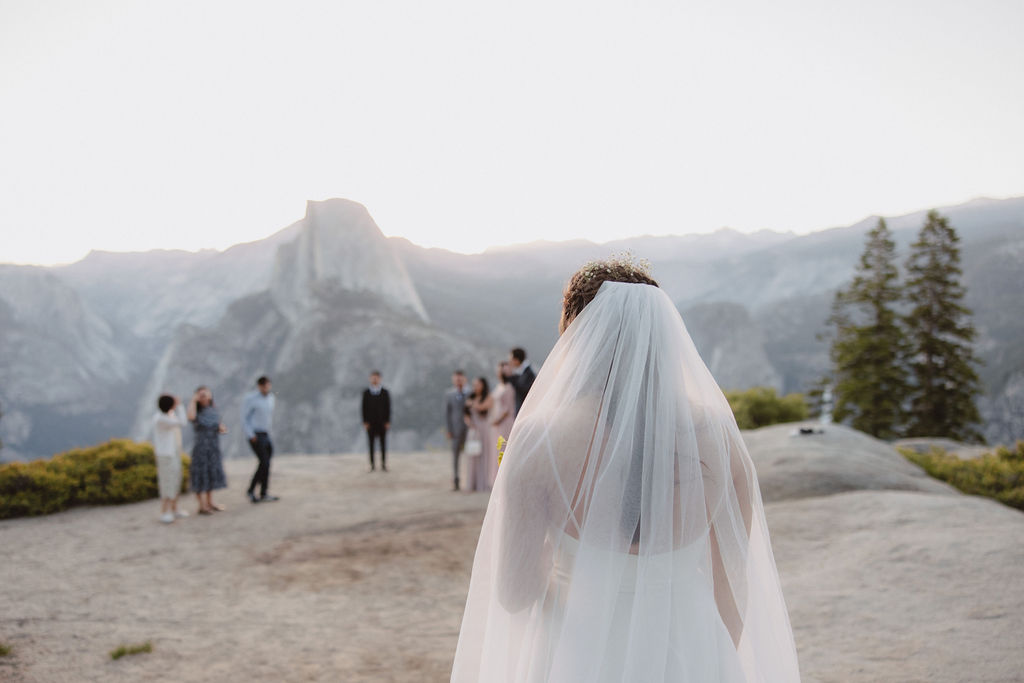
x: 86, y: 348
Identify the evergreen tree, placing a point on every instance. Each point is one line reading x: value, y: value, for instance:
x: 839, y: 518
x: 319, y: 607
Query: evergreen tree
x: 942, y: 361
x: 869, y: 346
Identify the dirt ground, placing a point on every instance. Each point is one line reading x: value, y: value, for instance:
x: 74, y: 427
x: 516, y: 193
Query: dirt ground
x: 354, y: 576
x: 351, y: 576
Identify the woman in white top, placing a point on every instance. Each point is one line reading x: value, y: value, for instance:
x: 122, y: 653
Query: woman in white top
x: 625, y: 538
x: 167, y: 424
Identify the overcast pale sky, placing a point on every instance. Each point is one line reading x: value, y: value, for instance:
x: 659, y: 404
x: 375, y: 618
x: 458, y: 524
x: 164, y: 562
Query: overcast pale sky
x: 136, y: 125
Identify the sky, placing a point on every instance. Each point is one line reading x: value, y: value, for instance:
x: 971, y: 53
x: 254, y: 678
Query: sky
x: 464, y: 124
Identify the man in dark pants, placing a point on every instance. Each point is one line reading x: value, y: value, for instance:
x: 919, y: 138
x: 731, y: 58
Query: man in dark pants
x: 377, y: 418
x: 455, y: 420
x: 523, y: 375
x: 257, y: 417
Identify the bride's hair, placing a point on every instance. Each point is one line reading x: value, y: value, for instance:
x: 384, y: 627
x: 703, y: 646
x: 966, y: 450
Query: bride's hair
x: 584, y: 283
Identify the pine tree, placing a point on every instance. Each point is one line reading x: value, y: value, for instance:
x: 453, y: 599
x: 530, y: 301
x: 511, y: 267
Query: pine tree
x: 869, y: 346
x: 942, y: 361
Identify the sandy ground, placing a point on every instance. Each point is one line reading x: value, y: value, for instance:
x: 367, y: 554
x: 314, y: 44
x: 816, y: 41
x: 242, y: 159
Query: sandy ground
x: 349, y: 577
x: 362, y: 577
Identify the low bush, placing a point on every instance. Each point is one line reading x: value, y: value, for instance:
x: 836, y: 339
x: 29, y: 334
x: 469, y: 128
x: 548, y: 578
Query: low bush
x: 118, y: 471
x: 998, y: 475
x: 762, y: 406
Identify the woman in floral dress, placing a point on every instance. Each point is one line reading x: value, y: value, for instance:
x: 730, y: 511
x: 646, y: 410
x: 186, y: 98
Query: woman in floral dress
x: 206, y: 471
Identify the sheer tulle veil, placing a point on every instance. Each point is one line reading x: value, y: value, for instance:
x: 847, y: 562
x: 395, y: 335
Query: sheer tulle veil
x: 625, y: 537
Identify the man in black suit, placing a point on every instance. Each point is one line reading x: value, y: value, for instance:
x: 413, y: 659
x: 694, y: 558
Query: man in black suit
x: 377, y: 418
x: 523, y: 377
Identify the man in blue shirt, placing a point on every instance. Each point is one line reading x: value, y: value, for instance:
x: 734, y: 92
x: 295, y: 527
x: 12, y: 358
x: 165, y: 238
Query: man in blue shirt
x: 257, y: 418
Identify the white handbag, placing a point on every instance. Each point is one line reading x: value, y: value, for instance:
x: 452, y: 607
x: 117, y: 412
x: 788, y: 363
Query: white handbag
x: 474, y: 446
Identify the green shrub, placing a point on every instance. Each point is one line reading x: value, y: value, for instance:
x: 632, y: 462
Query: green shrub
x: 33, y: 488
x: 5, y: 650
x: 118, y: 471
x: 998, y: 475
x: 761, y: 406
x: 123, y: 650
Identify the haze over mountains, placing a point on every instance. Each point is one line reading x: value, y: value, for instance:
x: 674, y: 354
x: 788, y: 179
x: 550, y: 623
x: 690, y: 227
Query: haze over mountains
x: 86, y: 348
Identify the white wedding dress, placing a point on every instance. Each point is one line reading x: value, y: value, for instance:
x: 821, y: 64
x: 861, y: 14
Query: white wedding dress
x: 625, y: 537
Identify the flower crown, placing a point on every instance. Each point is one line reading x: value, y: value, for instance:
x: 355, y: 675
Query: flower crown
x: 626, y: 260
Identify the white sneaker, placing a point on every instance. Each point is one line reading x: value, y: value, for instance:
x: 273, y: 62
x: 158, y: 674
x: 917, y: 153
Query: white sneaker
x: 167, y: 518
x: 180, y: 514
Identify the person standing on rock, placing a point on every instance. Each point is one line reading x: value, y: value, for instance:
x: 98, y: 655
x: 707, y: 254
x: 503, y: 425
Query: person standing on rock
x: 167, y: 424
x: 625, y: 538
x: 377, y: 418
x: 257, y: 418
x: 455, y: 419
x: 207, y: 470
x: 522, y: 375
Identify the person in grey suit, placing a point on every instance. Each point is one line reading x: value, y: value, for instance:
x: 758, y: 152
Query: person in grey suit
x: 455, y: 419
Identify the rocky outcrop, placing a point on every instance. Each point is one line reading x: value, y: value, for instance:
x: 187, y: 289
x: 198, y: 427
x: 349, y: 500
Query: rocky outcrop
x: 339, y: 246
x: 62, y: 370
x: 834, y: 459
x: 339, y: 303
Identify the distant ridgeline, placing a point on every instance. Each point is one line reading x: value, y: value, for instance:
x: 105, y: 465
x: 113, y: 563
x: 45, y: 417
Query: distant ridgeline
x: 85, y: 349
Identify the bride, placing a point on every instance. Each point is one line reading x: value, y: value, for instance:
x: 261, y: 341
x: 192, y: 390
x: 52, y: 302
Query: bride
x: 625, y: 538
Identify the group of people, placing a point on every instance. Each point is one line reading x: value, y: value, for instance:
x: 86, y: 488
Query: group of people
x: 206, y: 470
x: 476, y: 419
x: 625, y: 539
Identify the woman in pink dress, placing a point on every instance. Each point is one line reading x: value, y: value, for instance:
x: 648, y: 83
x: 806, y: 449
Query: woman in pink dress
x: 478, y: 405
x: 502, y: 415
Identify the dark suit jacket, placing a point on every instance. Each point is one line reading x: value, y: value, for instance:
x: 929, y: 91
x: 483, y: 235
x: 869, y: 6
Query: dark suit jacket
x: 454, y: 412
x: 376, y: 409
x: 522, y: 383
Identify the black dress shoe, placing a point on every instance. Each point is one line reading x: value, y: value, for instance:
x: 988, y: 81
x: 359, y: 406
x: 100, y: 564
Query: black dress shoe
x: 268, y: 499
x: 252, y: 497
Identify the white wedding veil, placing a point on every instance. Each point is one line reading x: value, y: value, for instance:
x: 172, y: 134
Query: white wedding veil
x: 625, y: 537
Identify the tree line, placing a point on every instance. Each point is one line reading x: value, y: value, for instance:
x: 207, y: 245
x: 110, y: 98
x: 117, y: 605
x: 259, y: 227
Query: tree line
x: 902, y: 355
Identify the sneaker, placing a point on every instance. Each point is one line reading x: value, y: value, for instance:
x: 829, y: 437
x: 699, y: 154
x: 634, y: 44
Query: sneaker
x: 167, y: 518
x: 180, y: 514
x: 268, y: 499
x: 252, y: 497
